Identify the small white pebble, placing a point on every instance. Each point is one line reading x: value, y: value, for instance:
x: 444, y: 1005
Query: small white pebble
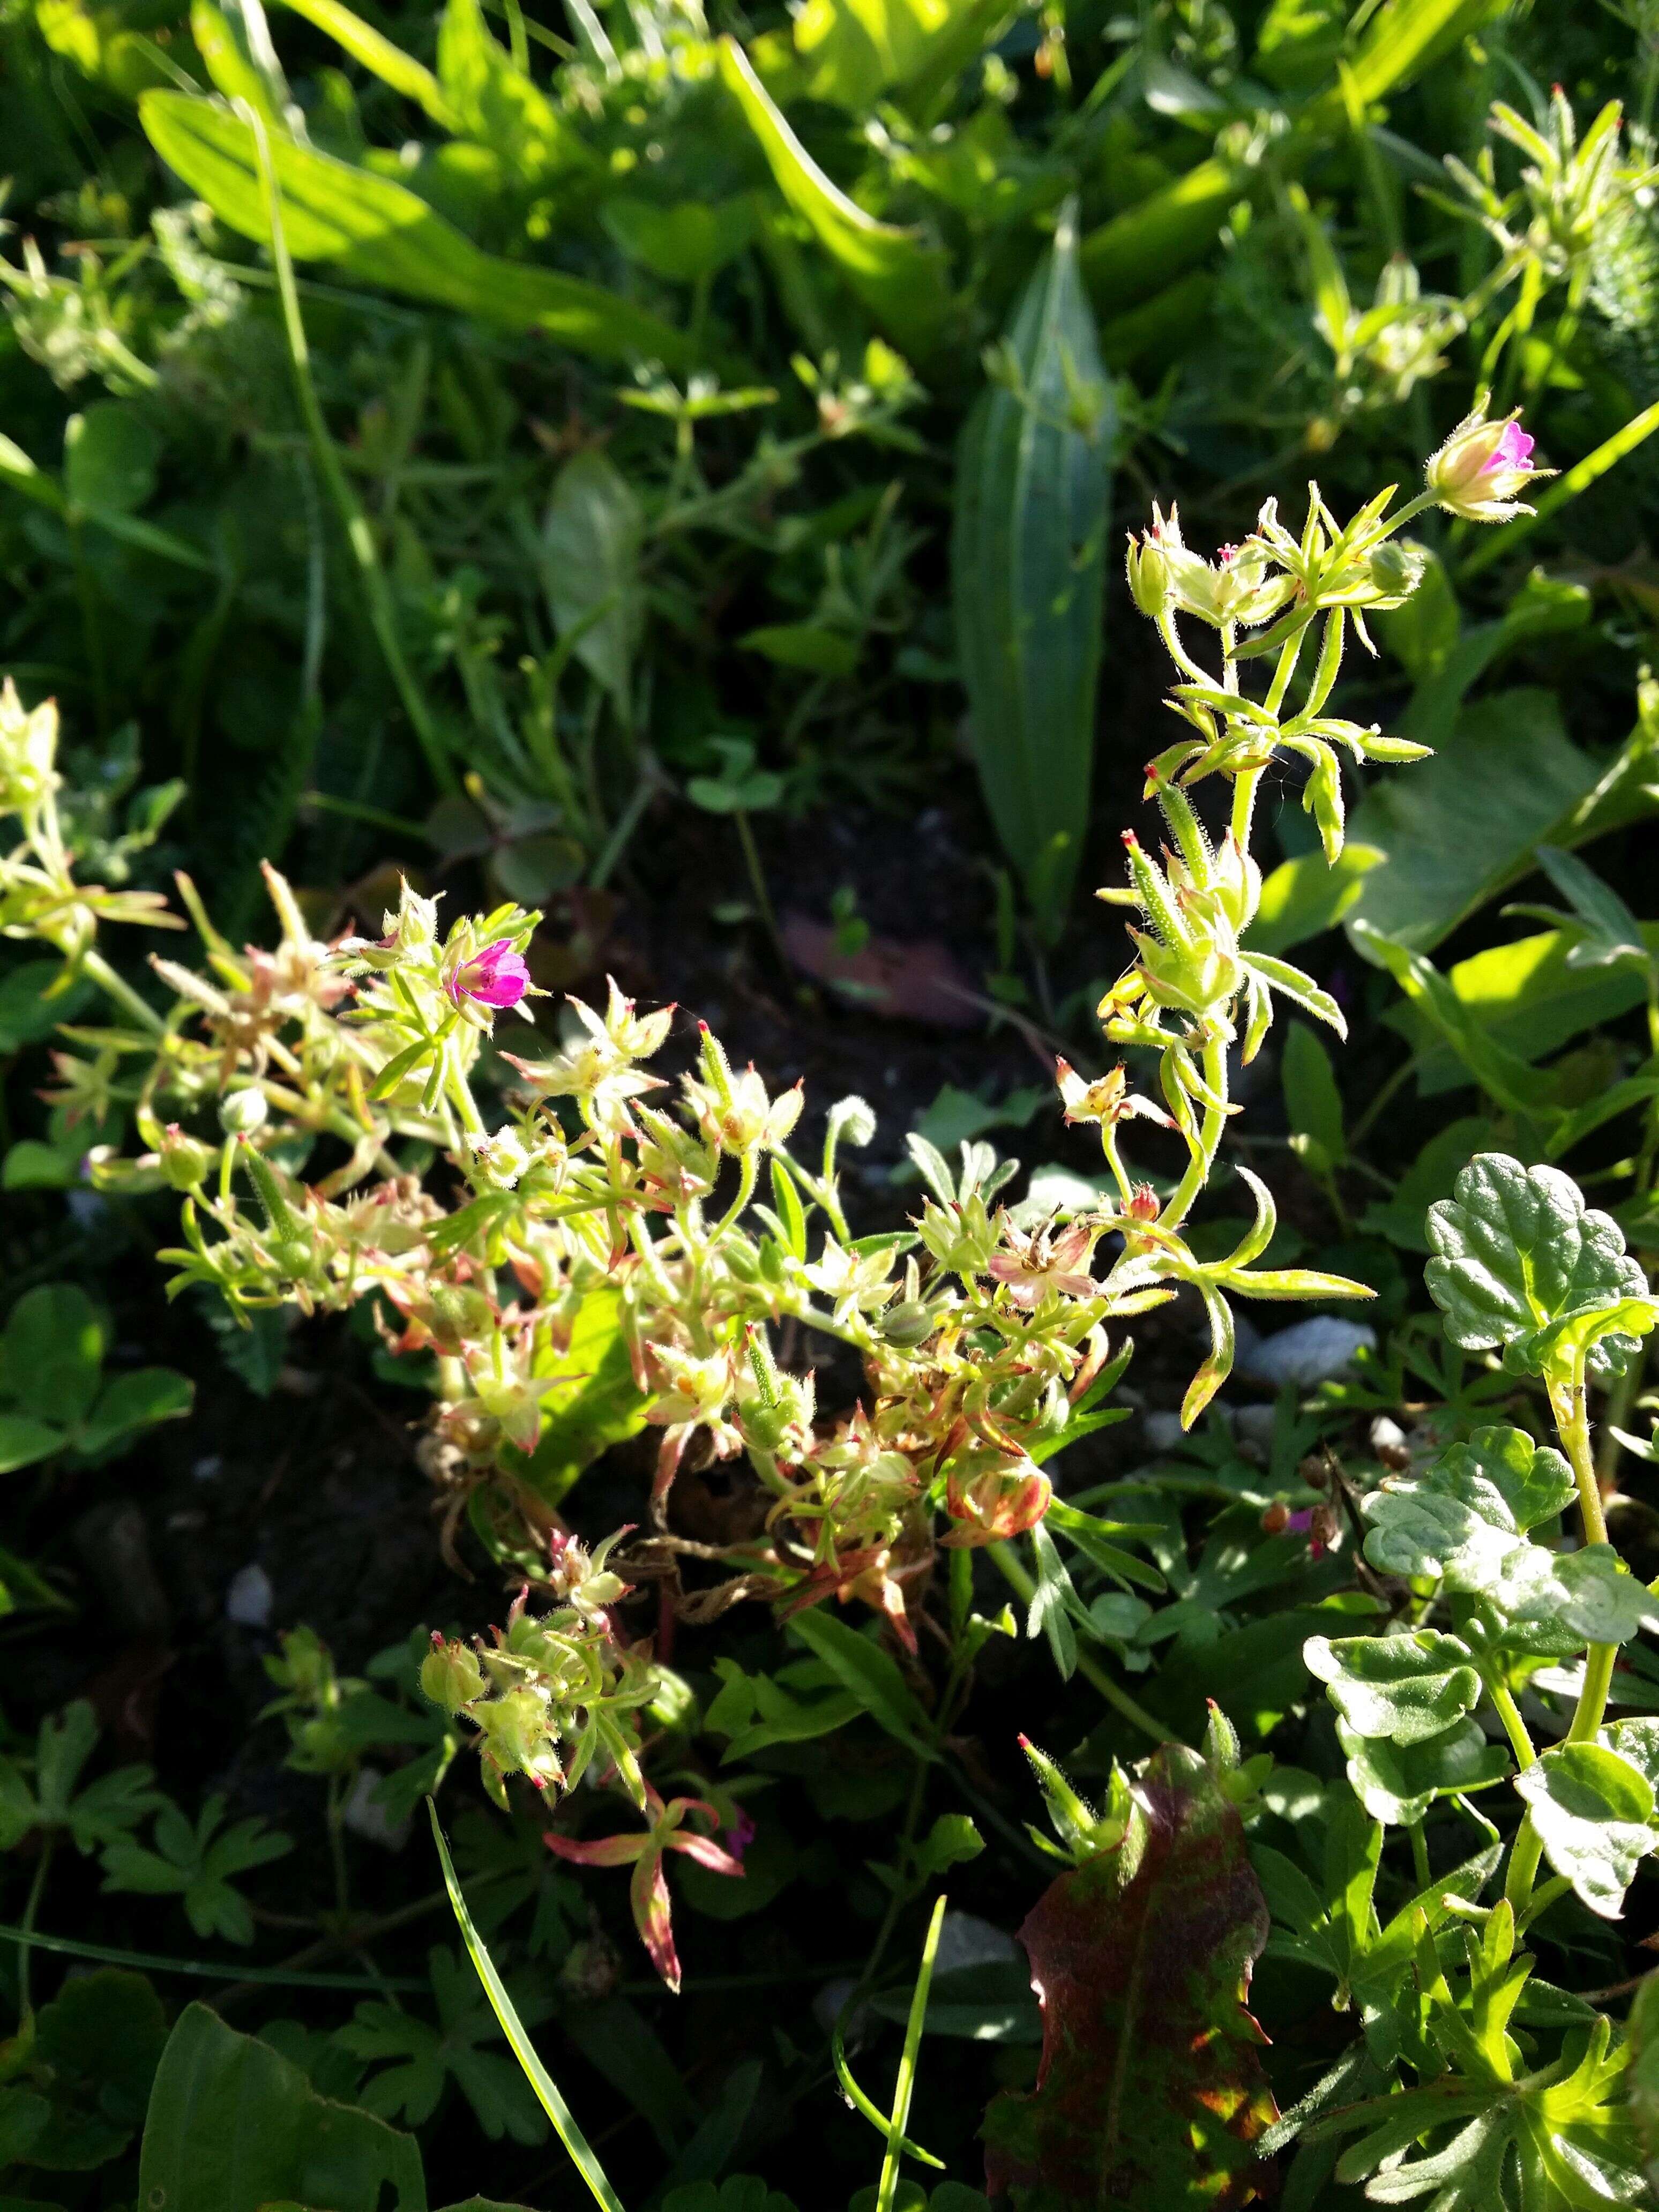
x: 248, y: 1600
x: 1309, y: 1352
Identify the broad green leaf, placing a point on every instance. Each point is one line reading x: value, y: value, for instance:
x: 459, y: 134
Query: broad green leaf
x: 52, y: 1354
x: 1405, y: 1687
x: 853, y: 51
x: 1027, y: 559
x: 132, y: 1402
x: 1142, y: 249
x: 494, y: 102
x: 1460, y: 828
x: 383, y: 234
x: 1516, y: 1249
x: 1610, y: 932
x: 1308, y: 895
x: 758, y: 1710
x: 864, y: 1669
x: 804, y: 644
x: 1150, y: 2093
x: 1403, y: 1220
x: 23, y: 1441
x: 231, y: 2126
x: 111, y: 457
x: 1502, y: 1074
x: 1466, y: 1521
x: 377, y: 54
x: 590, y: 553
x: 1465, y: 1516
x: 1594, y: 1811
x: 600, y: 1406
x: 1396, y: 1783
x: 902, y: 278
x: 1526, y: 997
x: 1544, y: 606
x: 1312, y: 1100
x: 97, y: 2044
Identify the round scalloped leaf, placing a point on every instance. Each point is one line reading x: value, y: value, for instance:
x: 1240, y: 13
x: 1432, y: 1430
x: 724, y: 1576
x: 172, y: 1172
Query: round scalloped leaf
x: 1593, y: 1810
x: 1405, y: 1688
x: 1515, y: 1251
x: 1464, y: 1518
x: 1396, y: 1783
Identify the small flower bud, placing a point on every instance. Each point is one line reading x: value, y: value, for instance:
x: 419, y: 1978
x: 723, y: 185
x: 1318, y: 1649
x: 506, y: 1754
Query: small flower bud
x: 451, y: 1676
x: 242, y: 1112
x: 185, y: 1161
x: 1481, y: 468
x: 1276, y: 1519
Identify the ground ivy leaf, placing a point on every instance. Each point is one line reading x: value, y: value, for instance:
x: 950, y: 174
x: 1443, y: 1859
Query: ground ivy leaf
x: 1464, y: 1518
x: 1405, y: 1687
x: 1396, y: 1783
x: 1517, y: 1250
x: 1465, y: 1521
x: 1593, y: 1810
x: 1150, y: 2091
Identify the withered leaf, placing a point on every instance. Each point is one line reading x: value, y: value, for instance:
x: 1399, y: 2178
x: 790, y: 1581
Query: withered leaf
x: 1150, y: 2093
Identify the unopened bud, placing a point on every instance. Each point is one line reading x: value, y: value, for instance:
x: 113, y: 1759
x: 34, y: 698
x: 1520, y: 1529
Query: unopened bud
x: 242, y: 1112
x: 1276, y: 1519
x: 185, y: 1161
x: 451, y: 1676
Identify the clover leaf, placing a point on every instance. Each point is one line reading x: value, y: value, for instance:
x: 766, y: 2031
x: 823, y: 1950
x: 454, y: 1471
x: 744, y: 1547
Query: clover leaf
x: 1396, y: 1783
x: 1515, y: 1252
x: 1403, y: 1688
x: 1593, y: 1810
x: 197, y: 1865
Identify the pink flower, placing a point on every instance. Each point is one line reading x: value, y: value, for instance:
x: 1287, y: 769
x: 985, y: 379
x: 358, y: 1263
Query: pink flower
x: 1303, y: 1524
x: 741, y: 1835
x: 497, y: 976
x: 1513, y: 449
x: 1030, y: 1266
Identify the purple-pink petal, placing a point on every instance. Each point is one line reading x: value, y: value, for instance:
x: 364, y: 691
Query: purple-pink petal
x: 1513, y: 449
x: 497, y: 976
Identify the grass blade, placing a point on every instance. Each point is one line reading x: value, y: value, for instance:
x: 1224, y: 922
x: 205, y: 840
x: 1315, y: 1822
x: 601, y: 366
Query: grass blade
x: 907, y: 2072
x: 524, y: 2051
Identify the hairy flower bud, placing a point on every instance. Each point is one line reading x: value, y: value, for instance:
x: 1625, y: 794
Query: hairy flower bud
x: 451, y: 1676
x: 185, y: 1161
x: 1481, y: 468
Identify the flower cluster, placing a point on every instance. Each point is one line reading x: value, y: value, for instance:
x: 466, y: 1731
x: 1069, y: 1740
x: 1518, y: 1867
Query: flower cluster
x: 605, y: 1258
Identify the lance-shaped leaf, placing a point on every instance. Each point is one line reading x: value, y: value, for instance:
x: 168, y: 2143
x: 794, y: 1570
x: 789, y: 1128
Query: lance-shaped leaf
x: 1593, y: 1810
x: 901, y: 277
x: 1517, y: 1251
x: 1150, y: 2091
x: 1396, y: 1783
x: 1405, y: 1688
x: 381, y: 233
